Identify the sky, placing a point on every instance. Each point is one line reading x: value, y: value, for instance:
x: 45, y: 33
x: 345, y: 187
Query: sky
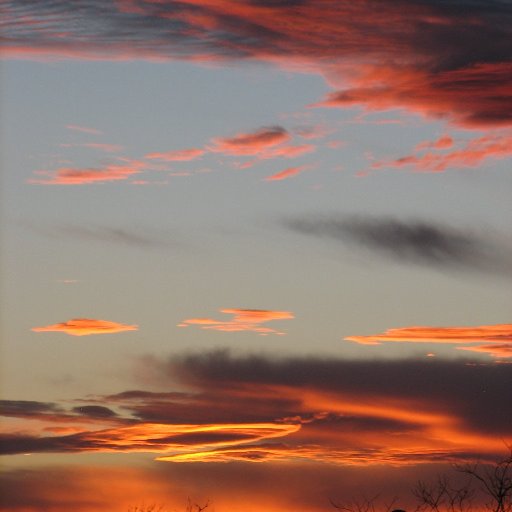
x: 255, y: 253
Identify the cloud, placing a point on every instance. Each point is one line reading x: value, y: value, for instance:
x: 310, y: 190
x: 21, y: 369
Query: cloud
x: 86, y: 327
x: 94, y: 411
x: 498, y: 351
x: 243, y: 320
x: 28, y: 408
x: 145, y: 437
x: 251, y: 143
x: 86, y: 176
x: 331, y: 411
x: 129, y: 237
x: 182, y: 155
x: 444, y: 142
x: 107, y: 148
x: 471, y: 96
x: 287, y: 173
x: 445, y: 60
x: 414, y: 242
x: 500, y: 336
x: 474, y: 153
x: 84, y: 129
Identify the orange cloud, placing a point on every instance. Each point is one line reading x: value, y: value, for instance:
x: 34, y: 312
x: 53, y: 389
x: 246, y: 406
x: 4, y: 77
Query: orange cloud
x: 287, y: 173
x: 74, y: 176
x: 251, y: 143
x: 182, y: 155
x: 473, y: 154
x: 500, y: 351
x: 86, y: 327
x: 243, y: 320
x: 495, y: 335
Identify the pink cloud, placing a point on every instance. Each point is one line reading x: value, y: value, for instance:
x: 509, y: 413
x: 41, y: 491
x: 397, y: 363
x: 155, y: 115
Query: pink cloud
x: 243, y: 320
x: 86, y: 176
x: 444, y: 142
x: 251, y: 143
x: 287, y: 173
x: 182, y: 155
x: 474, y: 153
x: 416, y: 55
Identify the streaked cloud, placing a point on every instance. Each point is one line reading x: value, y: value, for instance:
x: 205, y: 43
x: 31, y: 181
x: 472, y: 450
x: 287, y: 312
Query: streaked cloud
x: 445, y: 61
x: 250, y: 144
x: 497, y: 351
x: 444, y: 142
x: 133, y: 237
x: 499, y: 337
x: 242, y: 320
x: 331, y: 411
x: 410, y: 241
x: 182, y: 155
x: 87, y: 176
x: 84, y: 129
x: 474, y: 153
x: 286, y: 173
x: 107, y: 148
x: 86, y: 327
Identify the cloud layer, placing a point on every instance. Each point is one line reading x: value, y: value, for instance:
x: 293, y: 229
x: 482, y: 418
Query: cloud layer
x: 86, y: 327
x: 323, y: 410
x: 442, y: 59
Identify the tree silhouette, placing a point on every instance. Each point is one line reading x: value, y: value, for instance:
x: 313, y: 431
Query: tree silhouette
x: 494, y: 481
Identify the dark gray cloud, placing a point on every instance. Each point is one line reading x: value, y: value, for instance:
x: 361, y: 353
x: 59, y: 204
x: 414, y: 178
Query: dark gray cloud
x: 134, y: 236
x: 346, y: 409
x: 454, y: 54
x: 415, y: 242
x: 94, y: 411
x: 28, y: 408
x: 476, y: 391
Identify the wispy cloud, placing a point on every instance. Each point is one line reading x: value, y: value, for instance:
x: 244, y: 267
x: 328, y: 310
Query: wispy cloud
x: 290, y: 172
x: 415, y: 242
x: 250, y: 144
x: 86, y: 327
x: 117, y: 235
x: 498, y: 337
x: 182, y: 155
x: 474, y: 153
x: 444, y: 142
x: 441, y: 60
x: 87, y: 176
x: 242, y: 320
x: 107, y: 148
x: 84, y: 129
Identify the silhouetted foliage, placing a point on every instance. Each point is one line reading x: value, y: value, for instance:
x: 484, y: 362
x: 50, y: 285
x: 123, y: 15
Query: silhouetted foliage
x: 443, y: 496
x: 495, y: 481
x: 490, y: 483
x: 365, y: 504
x: 190, y: 507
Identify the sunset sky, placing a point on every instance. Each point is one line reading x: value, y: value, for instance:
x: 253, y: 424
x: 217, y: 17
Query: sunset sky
x: 257, y: 252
